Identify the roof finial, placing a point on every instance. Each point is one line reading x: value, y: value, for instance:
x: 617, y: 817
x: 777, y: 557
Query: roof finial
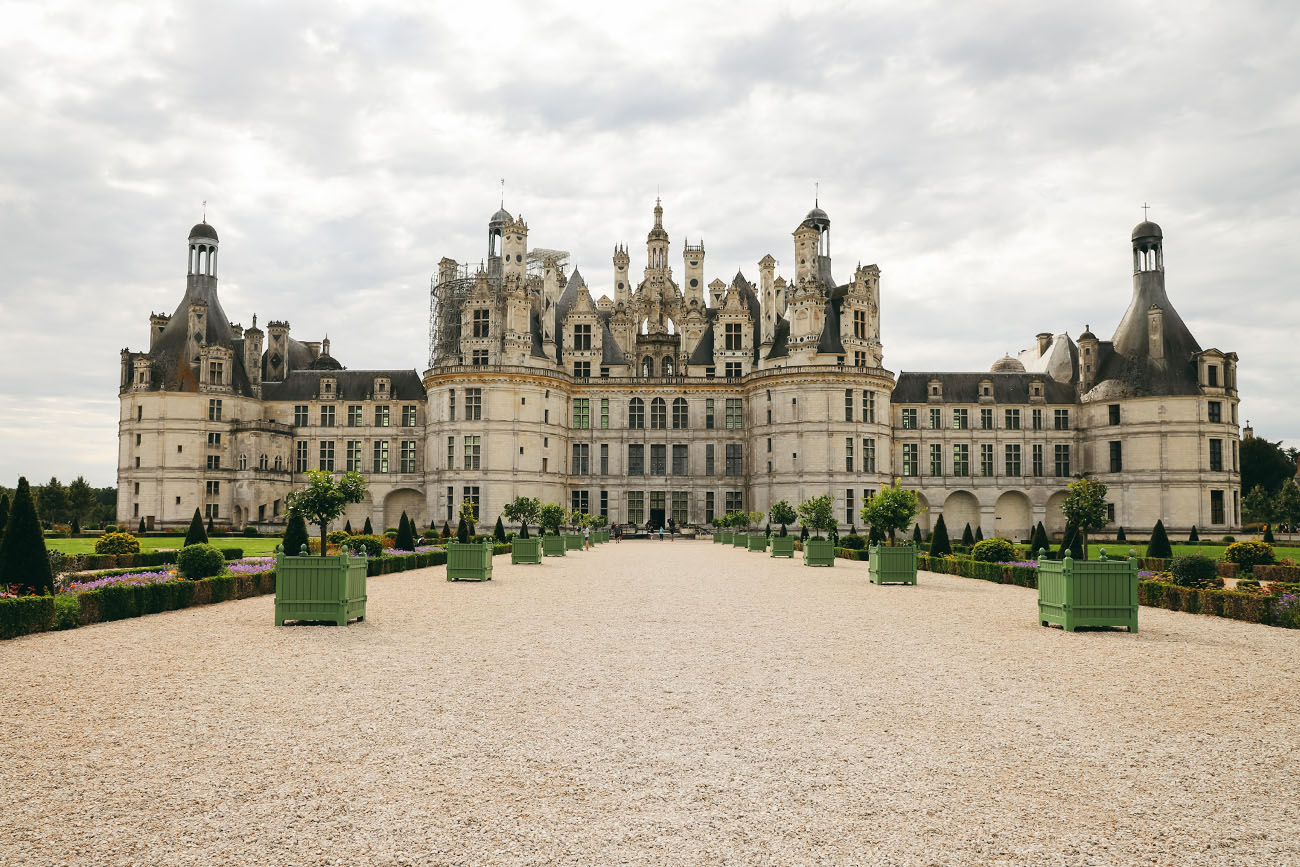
x: 817, y: 188
x: 1145, y: 208
x: 503, y: 192
x: 205, y: 210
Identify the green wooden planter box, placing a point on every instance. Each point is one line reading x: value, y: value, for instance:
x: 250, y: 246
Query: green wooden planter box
x: 1093, y: 593
x: 893, y: 564
x: 739, y: 540
x: 819, y: 552
x: 471, y: 561
x: 553, y: 546
x: 526, y: 550
x: 718, y: 538
x: 573, y: 541
x: 757, y: 542
x: 783, y: 546
x: 320, y: 588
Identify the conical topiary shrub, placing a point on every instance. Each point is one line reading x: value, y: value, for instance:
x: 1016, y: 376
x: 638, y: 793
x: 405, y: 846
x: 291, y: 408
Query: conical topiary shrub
x: 462, y: 531
x: 140, y: 529
x: 500, y: 531
x: 1119, y: 535
x: 803, y: 534
x: 196, y: 534
x: 1040, y: 542
x: 1076, y: 546
x: 210, y: 525
x: 1067, y: 538
x: 24, y: 563
x: 446, y: 530
x: 939, y: 545
x: 1268, y: 534
x: 979, y: 534
x: 295, y: 534
x: 1192, y: 537
x: 916, y: 534
x: 368, y: 529
x: 4, y: 513
x: 1159, y: 544
x: 76, y: 526
x: 347, y: 528
x: 967, y: 537
x: 405, y: 540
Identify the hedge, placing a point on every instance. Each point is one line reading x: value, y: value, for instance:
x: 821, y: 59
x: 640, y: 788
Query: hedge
x: 90, y: 562
x: 1280, y: 574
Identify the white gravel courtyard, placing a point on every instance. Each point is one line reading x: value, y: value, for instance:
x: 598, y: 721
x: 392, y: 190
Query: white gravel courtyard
x: 653, y: 703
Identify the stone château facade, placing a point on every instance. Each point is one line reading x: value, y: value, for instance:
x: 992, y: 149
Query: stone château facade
x: 672, y: 402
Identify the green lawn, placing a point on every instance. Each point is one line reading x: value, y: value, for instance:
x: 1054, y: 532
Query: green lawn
x: 251, y: 545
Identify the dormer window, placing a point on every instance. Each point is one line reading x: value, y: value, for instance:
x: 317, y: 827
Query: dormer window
x: 327, y: 387
x: 1213, y: 373
x: 381, y: 389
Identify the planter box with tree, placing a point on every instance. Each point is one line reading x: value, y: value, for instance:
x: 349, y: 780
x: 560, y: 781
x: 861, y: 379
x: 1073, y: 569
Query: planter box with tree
x: 1073, y: 593
x: 816, y: 514
x: 469, y: 561
x: 320, y: 589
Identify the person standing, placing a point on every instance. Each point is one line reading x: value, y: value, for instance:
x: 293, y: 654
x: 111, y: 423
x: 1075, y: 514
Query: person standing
x: 586, y: 538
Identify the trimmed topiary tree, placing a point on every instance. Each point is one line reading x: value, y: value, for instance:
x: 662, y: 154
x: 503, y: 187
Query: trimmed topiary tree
x: 368, y: 529
x: 993, y: 551
x: 211, y: 527
x: 405, y: 538
x: 1084, y: 509
x: 1040, y: 542
x: 500, y: 531
x: 939, y: 544
x: 196, y: 534
x: 1119, y: 535
x: 1067, y: 539
x: 200, y: 561
x: 117, y: 543
x: 1195, y: 570
x: 1250, y: 554
x: 1192, y: 537
x: 803, y: 534
x: 347, y: 528
x: 1159, y: 546
x: 890, y: 510
x: 446, y: 530
x: 522, y: 511
x: 24, y: 564
x: 76, y: 526
x: 295, y: 534
x: 1268, y: 534
x: 967, y: 537
x: 462, y: 531
x: 550, y: 517
x: 469, y: 515
x: 916, y: 535
x: 140, y: 529
x: 817, y: 514
x: 325, y: 498
x: 782, y: 514
x: 4, y: 513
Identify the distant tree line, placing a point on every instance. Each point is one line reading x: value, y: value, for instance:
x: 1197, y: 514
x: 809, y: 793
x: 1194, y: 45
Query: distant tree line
x: 58, y: 503
x: 1268, y: 480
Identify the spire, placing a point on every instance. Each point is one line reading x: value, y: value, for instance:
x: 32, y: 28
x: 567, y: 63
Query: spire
x: 659, y: 214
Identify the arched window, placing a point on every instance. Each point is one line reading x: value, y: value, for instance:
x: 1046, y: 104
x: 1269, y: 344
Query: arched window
x: 279, y: 462
x: 647, y: 366
x: 667, y: 366
x: 658, y: 414
x: 262, y: 462
x: 636, y: 413
x: 243, y: 462
x: 679, y: 412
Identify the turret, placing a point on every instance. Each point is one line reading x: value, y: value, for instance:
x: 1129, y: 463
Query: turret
x: 157, y: 322
x: 656, y: 242
x: 253, y: 357
x: 622, y: 291
x: 202, y: 268
x: 277, y: 358
x: 514, y: 244
x: 716, y: 290
x: 767, y: 298
x: 1089, y: 347
x: 693, y: 260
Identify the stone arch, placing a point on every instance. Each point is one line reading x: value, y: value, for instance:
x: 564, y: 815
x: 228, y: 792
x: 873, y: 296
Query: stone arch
x: 401, y: 500
x: 667, y: 365
x: 237, y: 517
x: 1013, y: 516
x: 959, y: 509
x: 1054, y: 521
x: 923, y: 516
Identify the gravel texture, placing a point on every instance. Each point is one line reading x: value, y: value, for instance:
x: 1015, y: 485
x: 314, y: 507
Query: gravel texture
x: 653, y: 703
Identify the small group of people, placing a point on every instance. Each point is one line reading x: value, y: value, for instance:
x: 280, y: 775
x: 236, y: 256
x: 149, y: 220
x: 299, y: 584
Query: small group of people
x: 670, y: 528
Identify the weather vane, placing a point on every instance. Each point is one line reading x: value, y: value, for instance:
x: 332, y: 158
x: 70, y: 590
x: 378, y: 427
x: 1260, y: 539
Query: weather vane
x: 817, y: 189
x: 205, y: 210
x: 503, y: 192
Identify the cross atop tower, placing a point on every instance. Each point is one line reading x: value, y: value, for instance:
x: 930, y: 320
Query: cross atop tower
x: 1145, y: 208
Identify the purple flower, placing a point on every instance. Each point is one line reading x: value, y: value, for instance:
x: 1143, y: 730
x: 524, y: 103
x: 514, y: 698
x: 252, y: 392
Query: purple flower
x: 135, y: 579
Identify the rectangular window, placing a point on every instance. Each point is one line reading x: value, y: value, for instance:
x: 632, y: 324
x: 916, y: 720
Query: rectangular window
x: 936, y: 417
x: 354, y: 456
x: 1062, y: 419
x: 214, y: 410
x: 708, y: 413
x: 859, y: 359
x: 681, y: 461
x: 327, y: 416
x: 354, y: 416
x: 986, y: 459
x: 473, y: 404
x: 469, y: 494
x: 848, y: 454
x: 473, y: 446
x: 709, y: 469
x: 986, y: 418
x: 860, y: 324
x: 869, y: 406
x: 681, y: 419
x: 734, y: 501
x: 868, y: 456
x: 1013, y: 459
x: 380, y: 454
x: 214, y: 440
x: 382, y: 416
x: 300, y: 456
x: 709, y: 507
x: 936, y: 459
x: 482, y: 324
x: 300, y: 417
x: 961, y: 459
x: 1116, y: 456
x: 211, y: 510
x: 960, y: 419
x: 658, y: 459
x: 636, y: 459
x: 581, y: 465
x: 1037, y: 460
x: 582, y: 413
x: 1216, y: 504
x: 451, y: 502
x: 581, y: 338
x: 636, y: 413
x: 848, y: 404
x: 1234, y: 458
x: 679, y: 513
x: 212, y: 489
x: 451, y: 404
x: 478, y: 357
x: 732, y: 336
x: 1110, y: 513
x: 1011, y: 419
x: 849, y: 517
x: 451, y: 453
x: 580, y: 501
x: 909, y: 419
x: 658, y: 414
x: 408, y: 415
x: 1038, y: 419
x: 735, y: 417
x: 735, y: 459
x: 1213, y: 371
x: 1216, y: 456
x: 327, y: 455
x: 214, y: 462
x: 910, y: 459
x: 408, y: 456
x: 215, y: 372
x: 1216, y: 412
x: 604, y: 413
x: 582, y: 369
x: 1113, y: 412
x: 1062, y: 461
x: 604, y: 503
x: 733, y: 368
x: 636, y: 507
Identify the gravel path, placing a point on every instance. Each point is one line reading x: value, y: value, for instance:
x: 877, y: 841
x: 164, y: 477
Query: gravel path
x: 653, y: 703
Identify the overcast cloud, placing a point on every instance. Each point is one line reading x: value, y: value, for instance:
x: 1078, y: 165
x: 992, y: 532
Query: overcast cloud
x: 991, y: 158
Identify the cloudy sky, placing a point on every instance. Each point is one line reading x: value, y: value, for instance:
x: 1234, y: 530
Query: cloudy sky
x: 992, y: 158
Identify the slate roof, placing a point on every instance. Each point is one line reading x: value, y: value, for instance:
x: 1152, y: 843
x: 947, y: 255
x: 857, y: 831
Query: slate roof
x: 913, y: 387
x: 1124, y: 364
x: 352, y: 385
